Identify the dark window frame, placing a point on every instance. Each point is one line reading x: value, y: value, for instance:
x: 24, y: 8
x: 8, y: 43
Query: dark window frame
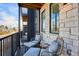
x: 54, y: 32
x: 43, y: 12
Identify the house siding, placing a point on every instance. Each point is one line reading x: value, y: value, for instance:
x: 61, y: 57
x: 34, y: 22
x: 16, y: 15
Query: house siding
x: 69, y: 16
x: 69, y: 26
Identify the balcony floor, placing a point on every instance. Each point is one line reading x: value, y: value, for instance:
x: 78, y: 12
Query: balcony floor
x: 22, y: 50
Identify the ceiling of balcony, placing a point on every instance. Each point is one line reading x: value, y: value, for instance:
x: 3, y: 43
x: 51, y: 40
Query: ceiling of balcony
x: 36, y: 6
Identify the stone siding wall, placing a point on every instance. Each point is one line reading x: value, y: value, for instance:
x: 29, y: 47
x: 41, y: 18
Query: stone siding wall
x: 47, y: 36
x: 69, y: 27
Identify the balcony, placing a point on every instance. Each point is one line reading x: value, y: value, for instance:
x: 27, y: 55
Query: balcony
x: 44, y: 29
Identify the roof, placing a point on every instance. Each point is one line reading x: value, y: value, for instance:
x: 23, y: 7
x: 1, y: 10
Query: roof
x: 31, y: 5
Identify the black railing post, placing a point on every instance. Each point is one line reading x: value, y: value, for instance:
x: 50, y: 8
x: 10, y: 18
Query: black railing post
x: 19, y: 14
x: 18, y: 44
x: 0, y: 47
x: 12, y: 45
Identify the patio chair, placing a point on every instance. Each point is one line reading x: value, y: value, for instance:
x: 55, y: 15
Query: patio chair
x: 55, y: 49
x: 33, y: 51
x: 33, y: 42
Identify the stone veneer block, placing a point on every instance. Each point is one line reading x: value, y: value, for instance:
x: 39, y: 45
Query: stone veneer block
x: 75, y: 5
x: 67, y: 34
x: 75, y: 49
x: 65, y: 8
x: 75, y: 12
x: 74, y: 31
x: 74, y: 37
x: 67, y: 19
x: 69, y: 13
x: 76, y: 43
x: 62, y: 25
x: 68, y: 41
x: 69, y: 46
x: 75, y: 21
x: 72, y: 12
x: 67, y: 24
x: 61, y: 33
x: 62, y: 20
x: 62, y: 15
x: 62, y: 29
x: 74, y: 54
x: 67, y: 29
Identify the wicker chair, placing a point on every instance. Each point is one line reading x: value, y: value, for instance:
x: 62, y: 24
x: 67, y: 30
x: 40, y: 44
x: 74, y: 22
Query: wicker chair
x: 59, y: 51
x: 61, y: 41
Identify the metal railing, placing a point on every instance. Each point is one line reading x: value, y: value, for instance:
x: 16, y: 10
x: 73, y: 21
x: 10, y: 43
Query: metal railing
x: 10, y: 44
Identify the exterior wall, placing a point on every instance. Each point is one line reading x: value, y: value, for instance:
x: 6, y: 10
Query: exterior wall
x: 69, y: 27
x: 47, y: 36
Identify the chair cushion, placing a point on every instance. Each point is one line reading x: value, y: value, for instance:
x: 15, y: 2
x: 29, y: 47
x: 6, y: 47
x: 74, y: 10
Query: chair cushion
x: 44, y: 52
x: 60, y: 42
x: 53, y: 46
x: 32, y: 52
x: 30, y: 44
x: 35, y: 41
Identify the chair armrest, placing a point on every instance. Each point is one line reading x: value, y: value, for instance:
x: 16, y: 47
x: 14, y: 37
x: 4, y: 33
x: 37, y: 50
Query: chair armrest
x: 47, y: 44
x: 44, y: 46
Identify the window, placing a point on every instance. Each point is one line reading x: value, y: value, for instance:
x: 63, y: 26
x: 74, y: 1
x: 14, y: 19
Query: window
x: 54, y: 18
x: 43, y: 21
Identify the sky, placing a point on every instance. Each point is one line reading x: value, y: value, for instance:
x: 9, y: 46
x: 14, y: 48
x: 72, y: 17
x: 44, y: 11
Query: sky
x: 9, y: 13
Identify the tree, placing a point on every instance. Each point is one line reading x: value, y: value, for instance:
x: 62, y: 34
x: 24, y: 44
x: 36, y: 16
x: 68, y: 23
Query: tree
x: 1, y: 26
x: 6, y: 27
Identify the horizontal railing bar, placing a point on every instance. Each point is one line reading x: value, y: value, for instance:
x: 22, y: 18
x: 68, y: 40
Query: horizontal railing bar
x: 8, y: 35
